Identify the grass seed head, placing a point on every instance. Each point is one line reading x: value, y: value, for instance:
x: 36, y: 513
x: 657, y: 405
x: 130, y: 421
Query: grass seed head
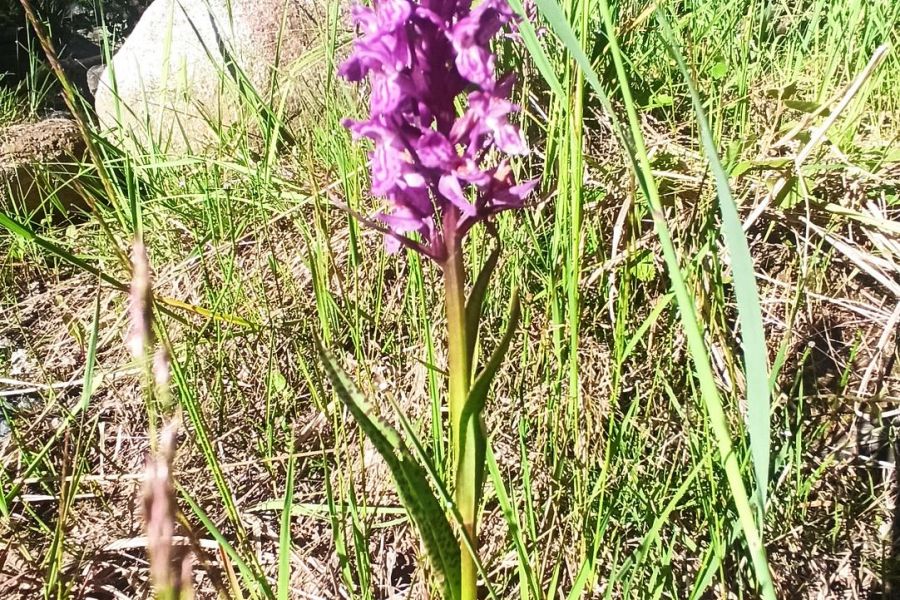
x: 141, y: 302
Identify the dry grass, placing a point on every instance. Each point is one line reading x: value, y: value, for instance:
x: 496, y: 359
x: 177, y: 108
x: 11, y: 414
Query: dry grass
x: 270, y: 251
x: 843, y: 321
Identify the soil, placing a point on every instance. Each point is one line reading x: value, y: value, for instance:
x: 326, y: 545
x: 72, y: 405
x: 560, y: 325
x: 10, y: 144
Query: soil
x: 50, y: 140
x: 32, y: 153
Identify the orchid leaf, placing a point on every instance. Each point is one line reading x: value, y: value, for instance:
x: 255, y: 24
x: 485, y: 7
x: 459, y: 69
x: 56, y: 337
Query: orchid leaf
x: 410, y: 478
x: 475, y: 303
x: 479, y: 392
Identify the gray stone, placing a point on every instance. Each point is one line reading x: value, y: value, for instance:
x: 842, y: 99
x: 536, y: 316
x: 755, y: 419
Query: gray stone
x: 93, y: 78
x: 176, y: 81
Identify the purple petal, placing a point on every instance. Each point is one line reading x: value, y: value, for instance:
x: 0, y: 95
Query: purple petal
x: 435, y: 151
x: 419, y: 56
x: 504, y: 85
x: 384, y: 51
x: 416, y: 200
x: 489, y: 114
x: 364, y: 17
x: 450, y: 189
x: 369, y: 129
x: 522, y: 190
x: 352, y: 69
x: 428, y: 14
x: 475, y: 64
x: 388, y: 92
x: 392, y: 14
x: 399, y: 221
x: 489, y: 23
x: 392, y: 245
x: 463, y: 126
x: 470, y: 172
x: 388, y: 165
x: 412, y: 179
x: 510, y: 140
x: 503, y: 193
x: 408, y: 213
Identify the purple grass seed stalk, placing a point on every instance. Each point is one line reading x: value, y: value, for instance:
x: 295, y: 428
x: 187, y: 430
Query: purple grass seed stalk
x: 429, y: 161
x: 140, y: 302
x: 170, y: 563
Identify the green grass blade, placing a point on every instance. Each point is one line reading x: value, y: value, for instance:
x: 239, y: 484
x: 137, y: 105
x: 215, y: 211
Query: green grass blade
x: 533, y: 45
x: 284, y: 537
x: 409, y: 476
x: 635, y: 339
x: 56, y: 583
x: 559, y: 24
x: 58, y: 251
x: 442, y: 493
x: 336, y: 520
x: 482, y: 385
x: 255, y: 581
x: 555, y: 16
x: 475, y: 303
x: 653, y: 535
x: 164, y: 305
x: 529, y: 588
x: 479, y: 392
x: 694, y: 333
x: 188, y: 400
x: 753, y: 337
x: 87, y: 390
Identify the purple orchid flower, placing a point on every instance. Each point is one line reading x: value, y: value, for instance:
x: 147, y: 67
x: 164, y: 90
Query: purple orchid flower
x: 429, y: 162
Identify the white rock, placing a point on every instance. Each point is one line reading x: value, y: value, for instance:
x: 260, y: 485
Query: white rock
x: 173, y: 86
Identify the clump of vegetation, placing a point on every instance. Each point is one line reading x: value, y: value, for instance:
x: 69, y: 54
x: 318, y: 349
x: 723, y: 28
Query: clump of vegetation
x: 699, y: 400
x: 64, y: 17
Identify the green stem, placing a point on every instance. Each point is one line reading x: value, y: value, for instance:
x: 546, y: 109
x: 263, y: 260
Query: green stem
x: 460, y: 369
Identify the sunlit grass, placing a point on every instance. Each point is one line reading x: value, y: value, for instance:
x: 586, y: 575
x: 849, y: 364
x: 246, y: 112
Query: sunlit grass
x: 605, y: 474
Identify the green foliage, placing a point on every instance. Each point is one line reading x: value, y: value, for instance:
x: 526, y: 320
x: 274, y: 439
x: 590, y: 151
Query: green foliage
x: 636, y: 150
x: 478, y: 394
x: 609, y: 483
x: 65, y: 16
x: 410, y: 478
x: 753, y: 337
x: 475, y: 302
